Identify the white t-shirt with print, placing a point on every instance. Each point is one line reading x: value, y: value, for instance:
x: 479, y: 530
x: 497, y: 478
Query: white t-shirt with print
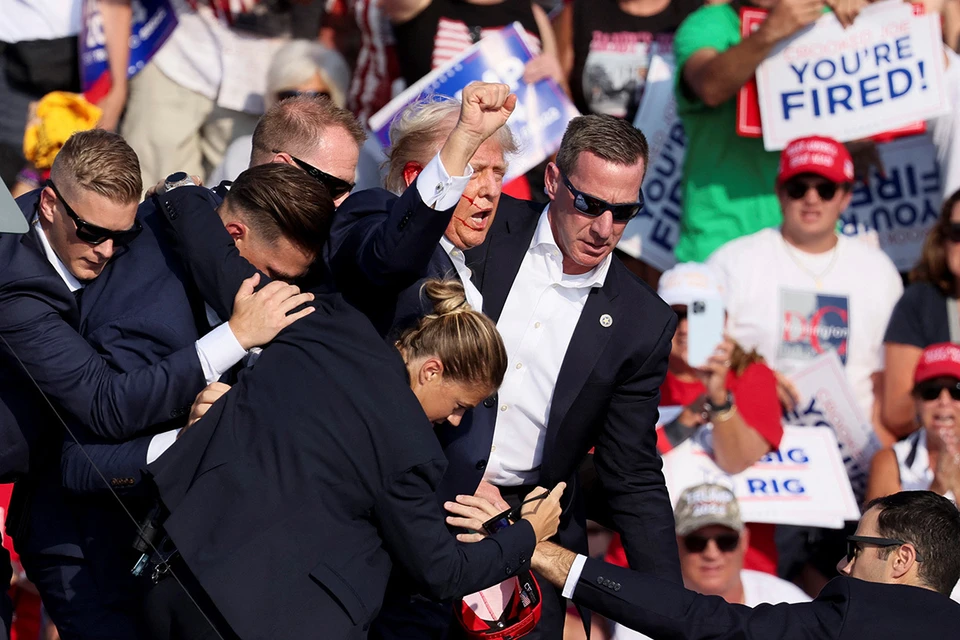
x: 758, y: 588
x: 776, y: 307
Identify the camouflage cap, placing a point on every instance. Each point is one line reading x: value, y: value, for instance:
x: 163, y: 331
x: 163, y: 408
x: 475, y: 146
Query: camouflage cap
x: 704, y: 505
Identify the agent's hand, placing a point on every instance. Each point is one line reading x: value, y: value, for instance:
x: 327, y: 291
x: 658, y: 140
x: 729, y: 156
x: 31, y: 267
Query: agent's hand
x: 491, y: 493
x: 161, y: 187
x: 204, y: 400
x: 470, y: 512
x: 544, y: 514
x: 258, y: 316
x: 789, y: 16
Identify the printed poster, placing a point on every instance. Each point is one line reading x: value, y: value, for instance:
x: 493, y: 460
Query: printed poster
x: 812, y: 324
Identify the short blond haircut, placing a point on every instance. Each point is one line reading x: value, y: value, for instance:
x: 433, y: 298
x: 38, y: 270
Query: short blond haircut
x: 295, y: 125
x: 419, y: 132
x: 98, y: 161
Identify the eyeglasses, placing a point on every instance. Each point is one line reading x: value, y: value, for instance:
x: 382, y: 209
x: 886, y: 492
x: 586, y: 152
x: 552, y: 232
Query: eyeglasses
x: 336, y: 186
x: 726, y: 542
x: 93, y: 234
x: 932, y: 389
x: 594, y: 207
x: 854, y: 545
x: 953, y: 232
x: 293, y: 93
x: 797, y: 189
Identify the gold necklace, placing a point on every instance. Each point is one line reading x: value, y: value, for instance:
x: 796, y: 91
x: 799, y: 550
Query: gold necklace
x: 817, y: 277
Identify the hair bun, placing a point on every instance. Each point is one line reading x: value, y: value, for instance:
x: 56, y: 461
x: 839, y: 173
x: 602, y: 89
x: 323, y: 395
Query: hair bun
x: 448, y: 296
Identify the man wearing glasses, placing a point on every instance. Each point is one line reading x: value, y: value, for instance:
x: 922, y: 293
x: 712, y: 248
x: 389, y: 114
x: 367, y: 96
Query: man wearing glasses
x: 895, y: 582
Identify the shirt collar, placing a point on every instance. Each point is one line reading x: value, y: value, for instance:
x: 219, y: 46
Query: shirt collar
x: 544, y: 242
x: 68, y: 278
x: 450, y: 248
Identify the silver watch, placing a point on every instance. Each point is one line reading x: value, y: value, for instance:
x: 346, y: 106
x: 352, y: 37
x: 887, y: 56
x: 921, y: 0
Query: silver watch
x: 178, y: 179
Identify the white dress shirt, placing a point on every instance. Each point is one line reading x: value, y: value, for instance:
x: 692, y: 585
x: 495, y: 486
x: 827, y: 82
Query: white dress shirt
x: 474, y: 297
x: 537, y: 323
x: 217, y: 351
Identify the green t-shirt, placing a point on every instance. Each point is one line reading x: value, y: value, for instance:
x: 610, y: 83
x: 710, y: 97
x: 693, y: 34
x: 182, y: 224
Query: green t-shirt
x: 728, y: 180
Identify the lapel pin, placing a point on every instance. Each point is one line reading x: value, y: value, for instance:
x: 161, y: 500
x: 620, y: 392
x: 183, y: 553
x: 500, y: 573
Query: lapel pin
x: 606, y: 320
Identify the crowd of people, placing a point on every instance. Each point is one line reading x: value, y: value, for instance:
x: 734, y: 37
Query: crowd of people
x: 262, y: 378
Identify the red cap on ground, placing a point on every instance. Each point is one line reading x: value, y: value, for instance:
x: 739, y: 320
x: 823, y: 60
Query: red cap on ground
x: 820, y: 156
x: 938, y: 361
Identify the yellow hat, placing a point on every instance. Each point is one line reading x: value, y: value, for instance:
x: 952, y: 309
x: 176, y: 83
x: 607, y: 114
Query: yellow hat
x: 59, y: 115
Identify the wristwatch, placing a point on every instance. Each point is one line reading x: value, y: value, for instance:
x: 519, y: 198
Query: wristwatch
x: 178, y: 179
x: 711, y: 408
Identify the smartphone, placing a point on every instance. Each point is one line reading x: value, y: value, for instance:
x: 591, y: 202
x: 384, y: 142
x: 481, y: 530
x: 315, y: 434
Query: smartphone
x: 705, y: 319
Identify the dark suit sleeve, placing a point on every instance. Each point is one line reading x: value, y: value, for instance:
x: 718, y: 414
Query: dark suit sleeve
x: 206, y: 248
x: 629, y: 467
x: 416, y: 537
x: 380, y: 241
x: 119, y: 462
x: 661, y: 609
x: 68, y: 370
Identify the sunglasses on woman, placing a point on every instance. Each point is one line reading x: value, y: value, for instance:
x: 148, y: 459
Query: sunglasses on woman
x: 91, y: 233
x: 293, y: 93
x: 594, y: 207
x: 932, y: 389
x: 726, y: 542
x: 855, y: 545
x: 336, y: 186
x: 796, y: 189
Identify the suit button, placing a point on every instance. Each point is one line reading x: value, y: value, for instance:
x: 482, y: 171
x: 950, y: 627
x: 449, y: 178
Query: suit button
x: 523, y: 559
x: 507, y: 570
x: 481, y: 465
x: 489, y: 402
x: 616, y: 586
x: 600, y: 580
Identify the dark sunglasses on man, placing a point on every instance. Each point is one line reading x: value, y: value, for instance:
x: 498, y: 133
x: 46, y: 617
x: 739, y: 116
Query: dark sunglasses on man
x: 594, y: 207
x: 336, y: 186
x: 293, y: 93
x: 855, y: 545
x: 797, y: 188
x: 931, y: 389
x: 726, y: 542
x: 93, y: 234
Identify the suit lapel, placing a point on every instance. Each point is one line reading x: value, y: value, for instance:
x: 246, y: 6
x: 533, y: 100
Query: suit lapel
x: 589, y: 339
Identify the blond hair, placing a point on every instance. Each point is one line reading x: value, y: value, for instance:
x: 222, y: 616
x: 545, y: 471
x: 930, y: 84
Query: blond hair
x: 98, y: 161
x: 419, y: 132
x: 465, y: 340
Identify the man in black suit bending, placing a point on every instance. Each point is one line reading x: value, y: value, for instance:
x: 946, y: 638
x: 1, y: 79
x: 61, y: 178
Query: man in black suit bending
x: 896, y: 581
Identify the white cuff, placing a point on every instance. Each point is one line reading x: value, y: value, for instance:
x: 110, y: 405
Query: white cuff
x: 438, y: 189
x: 160, y: 443
x: 574, y: 576
x: 218, y: 351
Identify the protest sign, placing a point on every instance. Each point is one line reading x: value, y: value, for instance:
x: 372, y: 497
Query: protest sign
x: 152, y: 23
x: 543, y: 109
x: 901, y: 207
x: 803, y: 483
x: 826, y: 400
x: 883, y: 72
x: 652, y: 235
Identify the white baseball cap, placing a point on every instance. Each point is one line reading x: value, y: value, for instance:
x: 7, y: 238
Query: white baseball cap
x: 689, y: 281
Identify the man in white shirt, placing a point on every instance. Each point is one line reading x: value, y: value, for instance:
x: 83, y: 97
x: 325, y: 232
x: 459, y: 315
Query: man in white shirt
x: 803, y: 290
x: 713, y: 542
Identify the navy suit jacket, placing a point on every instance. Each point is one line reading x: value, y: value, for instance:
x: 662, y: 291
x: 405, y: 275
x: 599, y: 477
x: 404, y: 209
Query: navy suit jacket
x: 846, y: 609
x: 316, y: 471
x: 381, y: 248
x: 606, y: 396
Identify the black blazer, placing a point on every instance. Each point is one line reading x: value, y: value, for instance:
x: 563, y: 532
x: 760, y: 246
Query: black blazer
x: 846, y: 609
x: 313, y: 474
x: 381, y: 248
x: 606, y: 397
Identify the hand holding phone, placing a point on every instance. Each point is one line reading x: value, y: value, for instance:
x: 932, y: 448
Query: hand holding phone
x: 705, y: 320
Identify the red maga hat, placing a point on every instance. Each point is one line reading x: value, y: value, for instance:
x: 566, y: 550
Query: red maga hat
x: 818, y: 155
x: 938, y: 361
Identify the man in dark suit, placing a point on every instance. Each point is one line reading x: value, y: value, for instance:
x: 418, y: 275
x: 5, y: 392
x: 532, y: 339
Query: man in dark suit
x: 899, y: 571
x: 382, y: 245
x: 588, y: 344
x: 336, y: 475
x: 51, y: 377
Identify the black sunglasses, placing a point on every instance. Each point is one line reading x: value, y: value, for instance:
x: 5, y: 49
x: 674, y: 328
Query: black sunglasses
x: 796, y: 189
x: 592, y: 206
x: 505, y: 518
x: 854, y: 545
x: 336, y: 186
x: 931, y: 389
x: 953, y: 232
x: 93, y: 234
x: 293, y: 93
x: 726, y: 542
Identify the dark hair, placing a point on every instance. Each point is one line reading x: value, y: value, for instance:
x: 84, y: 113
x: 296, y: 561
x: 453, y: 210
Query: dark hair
x: 465, y: 340
x: 932, y: 266
x: 295, y: 125
x: 278, y: 199
x: 612, y: 139
x: 931, y: 523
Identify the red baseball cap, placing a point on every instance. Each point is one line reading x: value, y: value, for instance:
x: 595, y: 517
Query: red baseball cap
x: 938, y: 361
x: 505, y: 611
x: 818, y: 155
